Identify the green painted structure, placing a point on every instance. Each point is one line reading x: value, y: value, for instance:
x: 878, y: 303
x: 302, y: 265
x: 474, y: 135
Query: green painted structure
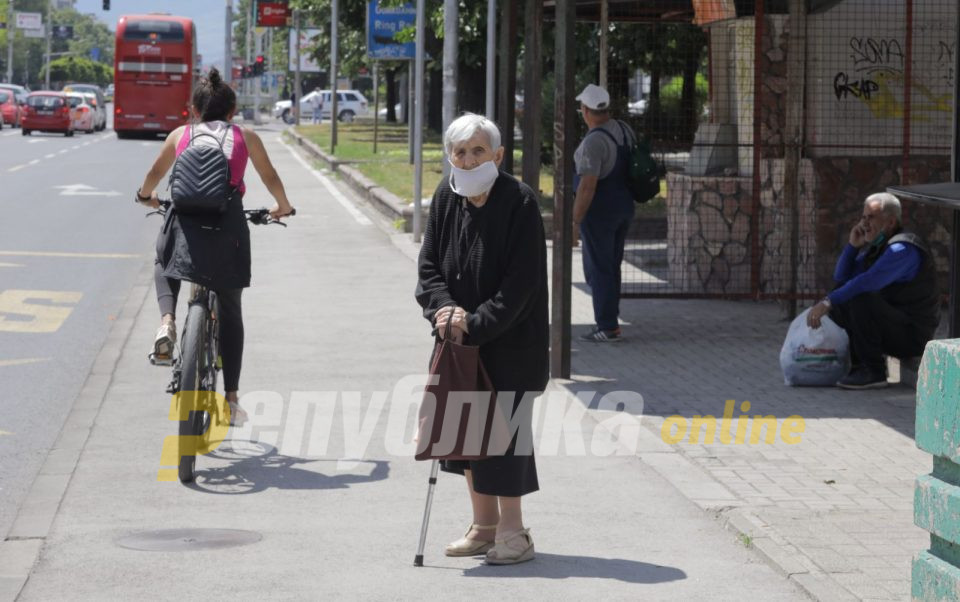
x: 936, y: 500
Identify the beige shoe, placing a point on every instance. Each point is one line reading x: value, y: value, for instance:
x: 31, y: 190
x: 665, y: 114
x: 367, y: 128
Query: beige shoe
x: 238, y: 417
x: 512, y: 549
x: 165, y: 341
x: 470, y: 547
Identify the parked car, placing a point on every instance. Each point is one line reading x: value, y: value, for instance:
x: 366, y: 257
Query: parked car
x: 99, y: 117
x: 82, y: 114
x: 92, y: 89
x: 20, y: 93
x: 350, y: 105
x: 9, y: 109
x: 47, y: 112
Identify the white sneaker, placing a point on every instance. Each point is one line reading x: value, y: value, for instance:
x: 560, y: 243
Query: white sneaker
x: 238, y: 417
x: 166, y: 340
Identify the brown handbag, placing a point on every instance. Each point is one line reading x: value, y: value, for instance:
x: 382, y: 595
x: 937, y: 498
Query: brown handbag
x: 459, y: 414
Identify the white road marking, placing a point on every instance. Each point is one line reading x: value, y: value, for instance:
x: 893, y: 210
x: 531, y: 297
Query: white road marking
x: 36, y: 141
x: 11, y: 265
x: 16, y: 168
x: 50, y: 156
x: 2, y: 433
x: 62, y: 152
x: 70, y: 255
x: 23, y: 362
x: 357, y: 215
x: 34, y: 162
x: 84, y: 190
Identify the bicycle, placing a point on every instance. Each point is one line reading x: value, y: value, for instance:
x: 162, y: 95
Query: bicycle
x: 194, y: 378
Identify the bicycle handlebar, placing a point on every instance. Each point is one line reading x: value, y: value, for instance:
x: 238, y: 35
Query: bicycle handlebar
x: 260, y: 217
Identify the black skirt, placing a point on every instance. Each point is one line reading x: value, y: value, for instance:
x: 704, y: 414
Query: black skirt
x: 509, y: 475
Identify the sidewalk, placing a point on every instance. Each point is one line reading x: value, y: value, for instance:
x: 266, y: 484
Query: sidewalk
x: 835, y: 511
x: 332, y: 309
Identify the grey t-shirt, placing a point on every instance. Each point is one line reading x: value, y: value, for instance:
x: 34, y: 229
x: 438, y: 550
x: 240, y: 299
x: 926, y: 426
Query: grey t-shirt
x: 597, y: 154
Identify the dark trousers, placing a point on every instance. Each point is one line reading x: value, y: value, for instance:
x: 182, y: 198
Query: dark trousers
x: 231, y: 323
x: 603, y: 239
x: 876, y: 328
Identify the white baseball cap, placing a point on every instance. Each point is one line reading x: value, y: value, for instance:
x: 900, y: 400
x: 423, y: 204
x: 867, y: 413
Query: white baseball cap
x: 594, y: 97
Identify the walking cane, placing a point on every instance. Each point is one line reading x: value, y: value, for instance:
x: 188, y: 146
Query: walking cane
x: 434, y: 468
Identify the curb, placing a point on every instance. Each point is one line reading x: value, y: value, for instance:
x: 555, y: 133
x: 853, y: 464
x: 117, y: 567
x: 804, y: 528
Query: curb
x: 21, y: 548
x: 387, y: 203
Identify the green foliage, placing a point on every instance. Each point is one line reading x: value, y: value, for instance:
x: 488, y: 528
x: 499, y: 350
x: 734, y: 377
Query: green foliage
x: 28, y: 53
x: 672, y: 91
x: 78, y: 69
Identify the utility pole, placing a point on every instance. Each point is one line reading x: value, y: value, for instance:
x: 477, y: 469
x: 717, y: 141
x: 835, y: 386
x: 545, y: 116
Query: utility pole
x: 249, y: 47
x: 49, y: 24
x: 335, y: 16
x: 451, y: 35
x: 295, y: 106
x: 11, y: 29
x: 418, y: 125
x: 491, y: 54
x: 228, y: 44
x: 257, y: 81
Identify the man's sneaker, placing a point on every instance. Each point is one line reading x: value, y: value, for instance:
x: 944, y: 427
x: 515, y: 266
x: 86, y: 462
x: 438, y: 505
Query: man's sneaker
x: 166, y: 340
x: 598, y: 335
x: 863, y: 377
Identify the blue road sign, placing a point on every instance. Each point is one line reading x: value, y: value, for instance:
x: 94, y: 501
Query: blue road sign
x: 95, y: 53
x: 383, y: 23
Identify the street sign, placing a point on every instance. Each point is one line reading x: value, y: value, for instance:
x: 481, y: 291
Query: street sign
x: 383, y: 23
x: 307, y: 62
x: 95, y: 53
x: 62, y: 32
x: 33, y: 33
x: 29, y: 21
x: 274, y: 14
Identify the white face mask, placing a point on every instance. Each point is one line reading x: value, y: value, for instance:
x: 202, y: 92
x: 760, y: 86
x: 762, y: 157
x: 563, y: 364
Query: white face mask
x: 473, y: 182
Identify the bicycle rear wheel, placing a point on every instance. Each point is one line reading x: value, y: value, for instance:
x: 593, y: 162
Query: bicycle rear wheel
x: 193, y: 357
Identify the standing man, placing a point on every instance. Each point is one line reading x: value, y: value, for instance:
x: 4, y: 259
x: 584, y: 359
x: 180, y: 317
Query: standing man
x: 886, y: 296
x: 603, y: 208
x: 317, y: 106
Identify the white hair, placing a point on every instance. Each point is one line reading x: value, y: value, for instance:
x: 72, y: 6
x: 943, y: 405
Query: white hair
x: 889, y: 204
x: 464, y: 127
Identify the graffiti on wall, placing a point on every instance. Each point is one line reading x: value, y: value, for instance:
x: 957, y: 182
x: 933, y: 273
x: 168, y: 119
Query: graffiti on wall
x: 875, y: 76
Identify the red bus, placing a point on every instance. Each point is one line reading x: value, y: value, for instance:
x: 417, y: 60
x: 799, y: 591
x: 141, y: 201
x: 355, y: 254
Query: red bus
x: 155, y: 69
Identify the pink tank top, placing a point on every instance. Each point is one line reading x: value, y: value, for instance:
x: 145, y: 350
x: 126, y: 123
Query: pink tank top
x: 234, y: 148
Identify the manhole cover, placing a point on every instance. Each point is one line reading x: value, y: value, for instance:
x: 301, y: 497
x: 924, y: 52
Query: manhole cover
x: 185, y: 540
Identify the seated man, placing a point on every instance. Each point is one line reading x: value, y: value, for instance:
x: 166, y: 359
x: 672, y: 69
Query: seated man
x: 886, y: 296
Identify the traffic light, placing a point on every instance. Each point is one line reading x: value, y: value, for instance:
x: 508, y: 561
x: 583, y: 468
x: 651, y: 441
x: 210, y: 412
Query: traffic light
x: 258, y: 65
x: 106, y: 4
x: 247, y: 71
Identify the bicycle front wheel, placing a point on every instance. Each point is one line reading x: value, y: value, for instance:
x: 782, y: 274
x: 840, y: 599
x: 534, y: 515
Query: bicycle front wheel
x: 193, y: 356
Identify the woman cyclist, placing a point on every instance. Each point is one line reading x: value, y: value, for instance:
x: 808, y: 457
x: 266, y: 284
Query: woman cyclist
x: 210, y: 250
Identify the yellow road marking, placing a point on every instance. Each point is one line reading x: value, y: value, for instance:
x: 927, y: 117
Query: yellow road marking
x: 23, y: 362
x: 42, y: 317
x: 74, y: 255
x: 2, y: 433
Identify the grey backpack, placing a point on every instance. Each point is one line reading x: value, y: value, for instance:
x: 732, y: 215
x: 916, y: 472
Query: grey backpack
x: 200, y: 182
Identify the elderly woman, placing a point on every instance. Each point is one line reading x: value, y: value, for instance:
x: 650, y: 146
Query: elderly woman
x: 484, y: 254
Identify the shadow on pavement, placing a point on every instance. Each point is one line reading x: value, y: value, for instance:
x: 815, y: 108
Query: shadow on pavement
x: 560, y: 566
x: 257, y: 467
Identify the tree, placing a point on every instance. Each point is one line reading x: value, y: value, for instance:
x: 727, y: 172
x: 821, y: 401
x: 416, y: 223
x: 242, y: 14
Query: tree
x: 78, y: 69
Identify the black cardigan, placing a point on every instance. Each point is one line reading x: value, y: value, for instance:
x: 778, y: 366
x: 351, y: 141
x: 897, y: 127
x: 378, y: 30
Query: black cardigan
x: 503, y: 284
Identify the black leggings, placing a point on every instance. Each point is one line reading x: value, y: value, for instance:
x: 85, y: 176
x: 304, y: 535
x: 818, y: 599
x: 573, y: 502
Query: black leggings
x: 231, y: 323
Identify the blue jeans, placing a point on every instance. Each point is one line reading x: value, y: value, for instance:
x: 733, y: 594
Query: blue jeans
x: 603, y: 238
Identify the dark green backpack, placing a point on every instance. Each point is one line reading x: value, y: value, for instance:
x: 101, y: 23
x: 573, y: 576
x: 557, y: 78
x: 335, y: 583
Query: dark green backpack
x: 643, y: 173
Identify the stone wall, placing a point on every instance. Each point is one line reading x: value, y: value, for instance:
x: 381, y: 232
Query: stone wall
x: 708, y: 233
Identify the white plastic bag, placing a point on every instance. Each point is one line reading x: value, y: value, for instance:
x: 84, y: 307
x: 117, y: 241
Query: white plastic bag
x: 814, y: 357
